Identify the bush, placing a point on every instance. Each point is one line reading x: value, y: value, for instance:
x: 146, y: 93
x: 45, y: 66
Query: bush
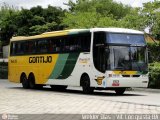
x: 153, y: 50
x: 154, y: 75
x: 3, y: 70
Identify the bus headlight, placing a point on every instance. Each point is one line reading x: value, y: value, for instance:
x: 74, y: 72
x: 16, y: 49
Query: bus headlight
x: 144, y: 75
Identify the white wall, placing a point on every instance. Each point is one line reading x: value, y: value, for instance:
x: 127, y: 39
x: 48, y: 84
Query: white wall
x: 5, y: 51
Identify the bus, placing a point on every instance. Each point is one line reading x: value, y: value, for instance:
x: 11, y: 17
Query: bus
x: 94, y: 59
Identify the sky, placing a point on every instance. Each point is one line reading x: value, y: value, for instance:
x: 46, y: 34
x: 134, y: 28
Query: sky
x: 59, y: 3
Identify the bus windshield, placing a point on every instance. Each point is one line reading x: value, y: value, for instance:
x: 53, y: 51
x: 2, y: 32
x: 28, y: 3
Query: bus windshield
x: 127, y: 58
x: 121, y: 51
x: 130, y: 39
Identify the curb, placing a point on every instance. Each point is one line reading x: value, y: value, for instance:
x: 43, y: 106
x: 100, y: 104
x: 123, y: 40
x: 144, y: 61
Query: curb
x: 146, y: 90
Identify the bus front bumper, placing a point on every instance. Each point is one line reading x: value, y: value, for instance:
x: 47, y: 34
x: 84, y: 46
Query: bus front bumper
x: 125, y: 82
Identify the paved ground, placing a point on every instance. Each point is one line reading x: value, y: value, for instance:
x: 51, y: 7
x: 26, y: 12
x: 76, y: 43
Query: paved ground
x: 16, y: 100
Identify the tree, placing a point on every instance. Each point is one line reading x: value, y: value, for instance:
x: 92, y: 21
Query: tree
x: 134, y: 20
x: 38, y: 20
x: 38, y: 29
x: 152, y: 12
x: 94, y: 13
x: 7, y: 23
x: 24, y: 22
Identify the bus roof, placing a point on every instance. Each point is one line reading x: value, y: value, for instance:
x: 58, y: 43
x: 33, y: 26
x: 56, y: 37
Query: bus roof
x: 75, y: 31
x: 117, y: 30
x: 50, y: 34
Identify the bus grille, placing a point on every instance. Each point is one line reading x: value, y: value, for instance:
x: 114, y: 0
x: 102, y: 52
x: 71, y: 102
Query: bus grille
x: 131, y: 75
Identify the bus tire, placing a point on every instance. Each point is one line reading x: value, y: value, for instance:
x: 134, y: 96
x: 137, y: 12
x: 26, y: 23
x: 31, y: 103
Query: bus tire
x: 120, y: 91
x: 32, y: 83
x: 85, y: 83
x: 31, y: 80
x: 24, y: 81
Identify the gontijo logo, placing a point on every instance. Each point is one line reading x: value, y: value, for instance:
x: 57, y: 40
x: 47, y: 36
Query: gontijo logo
x: 40, y: 59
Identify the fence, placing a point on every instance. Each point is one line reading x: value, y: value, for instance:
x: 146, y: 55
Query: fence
x: 3, y: 68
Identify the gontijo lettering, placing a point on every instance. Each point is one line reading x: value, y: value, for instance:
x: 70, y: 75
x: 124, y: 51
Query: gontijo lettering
x: 40, y: 59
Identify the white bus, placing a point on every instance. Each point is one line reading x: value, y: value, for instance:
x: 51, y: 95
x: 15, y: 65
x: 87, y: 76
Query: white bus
x: 95, y: 59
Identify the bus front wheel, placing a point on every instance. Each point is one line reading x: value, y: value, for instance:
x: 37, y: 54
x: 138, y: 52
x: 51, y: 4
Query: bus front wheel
x: 85, y: 83
x: 25, y: 82
x: 120, y: 91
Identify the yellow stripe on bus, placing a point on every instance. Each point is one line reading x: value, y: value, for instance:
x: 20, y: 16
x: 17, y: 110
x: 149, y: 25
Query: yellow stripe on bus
x: 125, y: 72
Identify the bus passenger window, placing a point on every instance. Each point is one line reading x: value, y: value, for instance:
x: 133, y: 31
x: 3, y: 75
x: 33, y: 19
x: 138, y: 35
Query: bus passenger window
x: 31, y: 47
x: 85, y: 42
x: 12, y: 48
x: 50, y: 49
x: 18, y: 48
x: 71, y: 44
x: 58, y: 45
x: 54, y: 45
x: 43, y: 46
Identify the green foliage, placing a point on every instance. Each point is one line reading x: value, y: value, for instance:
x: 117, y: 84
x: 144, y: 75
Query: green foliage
x: 133, y: 20
x: 95, y: 13
x: 26, y: 22
x: 81, y: 20
x: 154, y: 75
x: 38, y: 20
x: 151, y: 11
x: 154, y: 55
x: 81, y: 14
x: 103, y: 7
x: 107, y: 13
x: 38, y: 29
x: 7, y: 22
x: 154, y: 66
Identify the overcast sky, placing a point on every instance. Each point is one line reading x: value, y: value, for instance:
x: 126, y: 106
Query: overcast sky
x: 45, y: 3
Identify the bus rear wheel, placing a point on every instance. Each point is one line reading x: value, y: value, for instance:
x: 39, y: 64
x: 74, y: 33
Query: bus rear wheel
x: 120, y: 91
x: 32, y: 84
x: 85, y: 83
x: 31, y: 80
x: 25, y: 82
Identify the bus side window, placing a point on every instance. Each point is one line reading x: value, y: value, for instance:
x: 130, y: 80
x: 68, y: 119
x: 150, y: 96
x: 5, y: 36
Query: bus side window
x: 18, y: 48
x: 85, y: 42
x: 58, y: 45
x: 51, y: 46
x: 72, y: 44
x: 25, y: 47
x: 12, y: 49
x: 43, y: 46
x: 55, y: 45
x: 31, y: 45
